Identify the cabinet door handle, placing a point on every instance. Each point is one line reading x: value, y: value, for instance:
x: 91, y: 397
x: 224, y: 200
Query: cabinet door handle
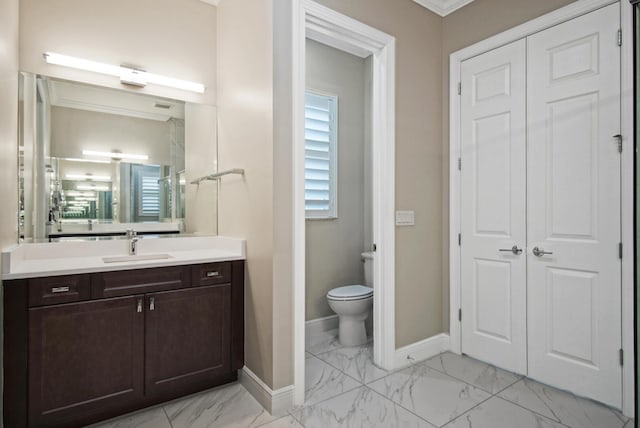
x: 213, y: 273
x: 152, y: 304
x: 59, y: 289
x: 139, y: 306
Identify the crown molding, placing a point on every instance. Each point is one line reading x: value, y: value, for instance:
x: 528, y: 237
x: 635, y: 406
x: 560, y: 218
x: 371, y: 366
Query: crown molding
x: 211, y: 2
x: 441, y: 7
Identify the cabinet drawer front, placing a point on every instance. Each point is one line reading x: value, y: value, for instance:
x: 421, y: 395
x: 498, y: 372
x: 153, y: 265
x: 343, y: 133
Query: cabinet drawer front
x: 211, y: 274
x: 58, y: 289
x: 139, y: 281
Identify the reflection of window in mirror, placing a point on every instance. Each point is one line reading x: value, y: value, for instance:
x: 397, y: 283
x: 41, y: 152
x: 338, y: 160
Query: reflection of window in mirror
x: 145, y: 198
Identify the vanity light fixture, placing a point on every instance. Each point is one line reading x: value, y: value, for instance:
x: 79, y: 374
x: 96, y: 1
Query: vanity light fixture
x: 88, y: 177
x: 128, y: 75
x: 96, y: 188
x: 114, y: 155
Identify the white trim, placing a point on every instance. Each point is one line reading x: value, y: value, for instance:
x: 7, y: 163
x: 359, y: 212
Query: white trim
x: 421, y: 350
x: 443, y: 7
x: 327, y: 26
x: 563, y: 14
x: 276, y: 402
x: 627, y: 189
x: 320, y: 325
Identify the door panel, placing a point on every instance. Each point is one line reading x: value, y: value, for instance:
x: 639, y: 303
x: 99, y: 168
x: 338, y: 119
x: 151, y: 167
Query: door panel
x: 493, y: 206
x: 188, y: 344
x: 573, y: 206
x: 85, y: 361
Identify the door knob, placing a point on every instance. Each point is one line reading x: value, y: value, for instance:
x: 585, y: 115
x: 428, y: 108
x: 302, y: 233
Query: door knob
x: 539, y: 252
x: 515, y: 250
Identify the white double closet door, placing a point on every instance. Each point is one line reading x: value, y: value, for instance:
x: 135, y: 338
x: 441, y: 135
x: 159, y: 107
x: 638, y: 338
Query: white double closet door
x: 540, y: 213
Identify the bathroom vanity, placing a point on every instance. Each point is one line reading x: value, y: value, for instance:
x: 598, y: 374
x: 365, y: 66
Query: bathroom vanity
x: 87, y: 338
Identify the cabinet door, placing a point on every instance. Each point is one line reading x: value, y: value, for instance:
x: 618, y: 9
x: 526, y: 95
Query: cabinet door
x: 85, y: 361
x: 188, y: 342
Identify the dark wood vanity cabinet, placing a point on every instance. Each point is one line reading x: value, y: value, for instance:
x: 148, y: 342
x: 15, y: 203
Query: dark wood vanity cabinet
x: 105, y: 352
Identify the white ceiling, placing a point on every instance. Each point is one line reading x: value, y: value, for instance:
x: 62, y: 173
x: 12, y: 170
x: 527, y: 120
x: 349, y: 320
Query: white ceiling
x: 442, y: 7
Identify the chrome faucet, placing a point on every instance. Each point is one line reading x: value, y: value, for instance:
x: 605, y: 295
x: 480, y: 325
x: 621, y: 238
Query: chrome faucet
x: 132, y: 236
x: 90, y: 224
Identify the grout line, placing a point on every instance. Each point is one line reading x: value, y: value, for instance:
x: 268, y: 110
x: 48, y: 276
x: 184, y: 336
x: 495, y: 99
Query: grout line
x: 520, y: 377
x: 534, y: 412
x: 468, y: 410
x: 167, y: 416
x: 444, y: 372
x: 402, y: 407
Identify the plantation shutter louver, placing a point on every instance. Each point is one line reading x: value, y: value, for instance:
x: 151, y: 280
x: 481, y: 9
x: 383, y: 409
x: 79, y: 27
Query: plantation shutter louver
x: 320, y: 152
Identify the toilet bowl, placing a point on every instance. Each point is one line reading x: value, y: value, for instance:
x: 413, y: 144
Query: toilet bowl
x: 352, y: 304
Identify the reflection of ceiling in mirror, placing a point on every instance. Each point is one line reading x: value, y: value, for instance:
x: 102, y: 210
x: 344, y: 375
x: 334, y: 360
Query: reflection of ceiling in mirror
x: 103, y: 100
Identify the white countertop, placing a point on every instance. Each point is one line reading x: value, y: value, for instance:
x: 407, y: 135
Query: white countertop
x: 74, y: 257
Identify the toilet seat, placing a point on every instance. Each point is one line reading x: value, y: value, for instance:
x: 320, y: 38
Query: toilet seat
x: 350, y: 292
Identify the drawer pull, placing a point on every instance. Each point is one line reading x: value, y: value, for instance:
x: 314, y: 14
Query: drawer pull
x: 152, y: 304
x: 213, y: 273
x: 139, y: 310
x: 59, y: 289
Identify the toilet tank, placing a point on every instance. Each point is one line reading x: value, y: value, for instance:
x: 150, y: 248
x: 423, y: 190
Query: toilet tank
x: 367, y: 258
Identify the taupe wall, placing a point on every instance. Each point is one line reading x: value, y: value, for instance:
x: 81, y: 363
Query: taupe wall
x: 419, y: 183
x: 333, y: 246
x: 475, y: 22
x: 8, y: 133
x: 175, y: 38
x: 245, y: 140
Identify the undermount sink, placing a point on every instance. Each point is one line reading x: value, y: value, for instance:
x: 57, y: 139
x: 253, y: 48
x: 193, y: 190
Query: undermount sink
x: 136, y: 258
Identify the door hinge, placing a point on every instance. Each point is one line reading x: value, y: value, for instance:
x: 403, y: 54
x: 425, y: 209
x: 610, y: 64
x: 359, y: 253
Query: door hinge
x: 459, y: 164
x: 620, y: 250
x: 618, y: 137
x: 459, y: 88
x: 621, y: 357
x: 619, y: 37
x: 459, y: 239
x: 460, y: 315
x: 374, y: 247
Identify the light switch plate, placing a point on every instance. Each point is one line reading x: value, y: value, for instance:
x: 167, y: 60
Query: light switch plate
x: 404, y: 218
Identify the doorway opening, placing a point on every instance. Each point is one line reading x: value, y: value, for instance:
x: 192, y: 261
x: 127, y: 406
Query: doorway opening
x: 321, y: 24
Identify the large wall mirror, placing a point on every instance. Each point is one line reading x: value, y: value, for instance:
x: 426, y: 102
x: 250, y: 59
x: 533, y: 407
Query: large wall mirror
x: 97, y: 161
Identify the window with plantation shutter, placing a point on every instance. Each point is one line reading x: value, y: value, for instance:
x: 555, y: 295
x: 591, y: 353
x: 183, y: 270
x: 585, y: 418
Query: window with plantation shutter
x: 150, y: 195
x: 320, y: 159
x: 145, y: 198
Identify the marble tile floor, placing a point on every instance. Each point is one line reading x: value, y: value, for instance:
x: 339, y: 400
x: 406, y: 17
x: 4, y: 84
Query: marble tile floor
x: 345, y: 389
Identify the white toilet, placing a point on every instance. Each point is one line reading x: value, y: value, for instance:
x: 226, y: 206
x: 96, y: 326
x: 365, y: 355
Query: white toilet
x: 352, y: 304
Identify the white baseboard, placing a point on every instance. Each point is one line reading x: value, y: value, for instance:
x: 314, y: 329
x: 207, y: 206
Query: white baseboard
x: 276, y: 402
x: 319, y: 325
x: 422, y: 350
